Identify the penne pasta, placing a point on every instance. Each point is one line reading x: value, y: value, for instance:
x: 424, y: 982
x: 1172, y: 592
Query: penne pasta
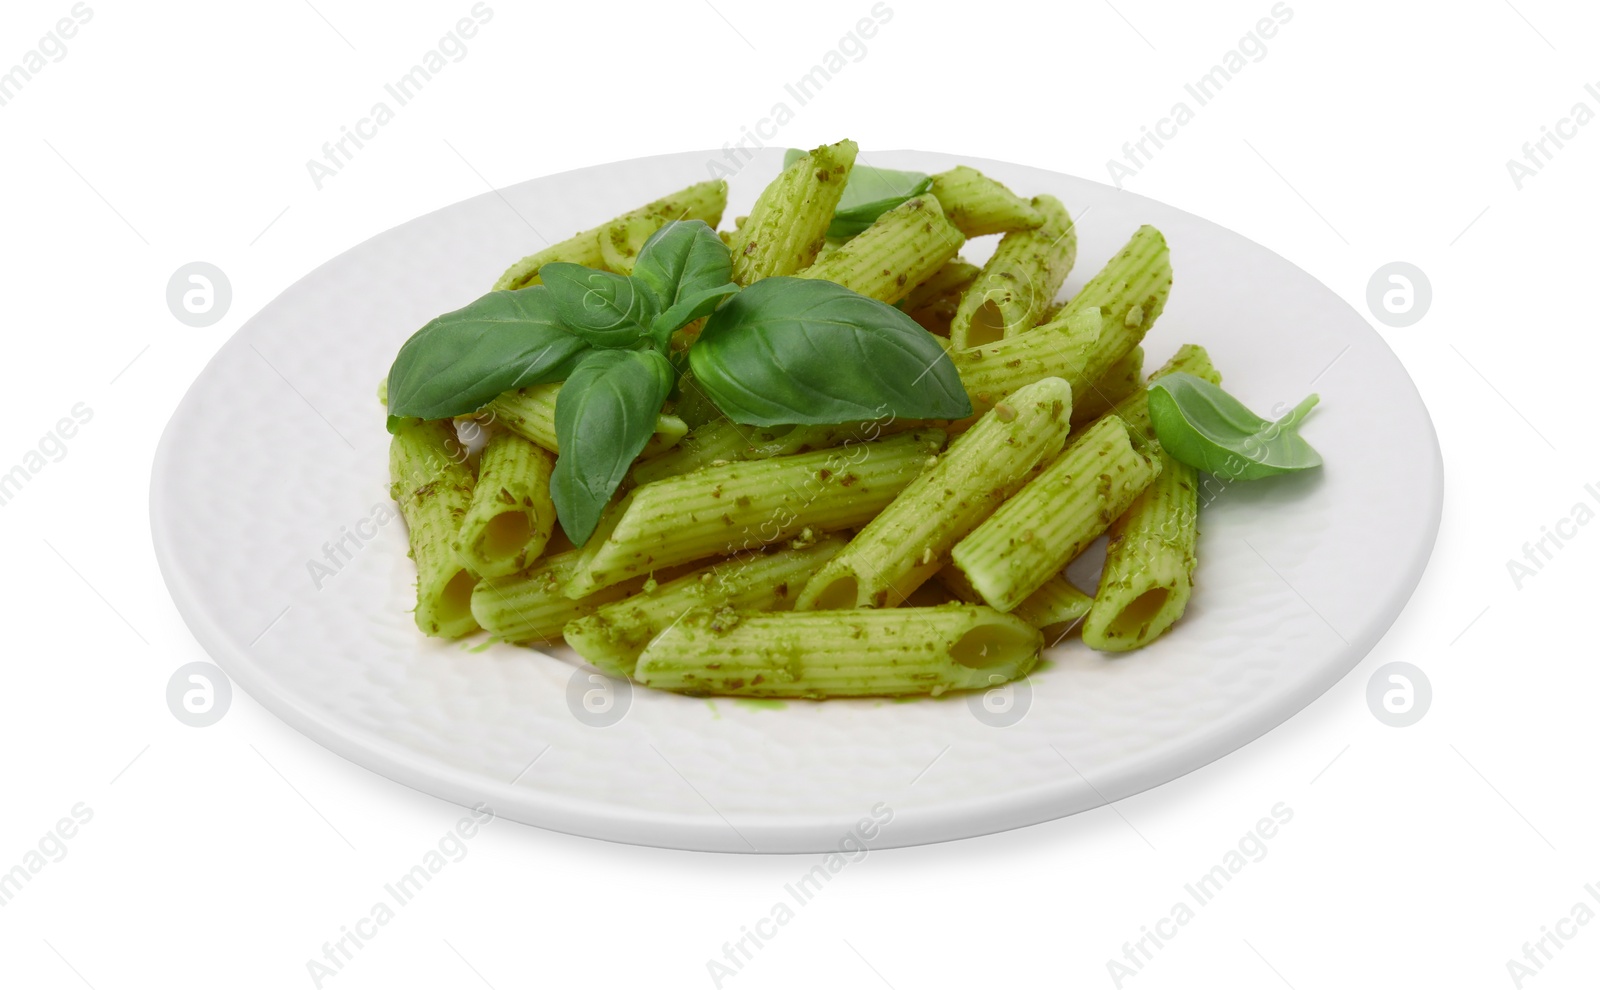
x: 432, y: 482
x: 531, y: 606
x: 1055, y: 603
x: 621, y: 239
x: 979, y: 205
x: 1098, y: 326
x: 901, y: 248
x: 614, y: 636
x: 849, y: 653
x: 617, y: 241
x: 1120, y: 381
x: 747, y: 504
x: 1039, y: 530
x: 789, y: 222
x: 511, y: 516
x: 910, y: 539
x: 1019, y: 281
x: 1149, y: 570
x: 724, y: 440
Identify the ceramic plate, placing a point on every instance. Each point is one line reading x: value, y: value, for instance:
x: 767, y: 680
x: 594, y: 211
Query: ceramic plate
x: 277, y: 539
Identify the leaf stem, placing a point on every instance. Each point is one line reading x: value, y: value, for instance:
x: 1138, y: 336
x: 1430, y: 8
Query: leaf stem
x: 1299, y: 412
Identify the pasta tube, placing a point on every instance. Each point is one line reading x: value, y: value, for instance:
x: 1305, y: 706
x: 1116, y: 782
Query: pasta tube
x: 433, y: 485
x: 530, y: 606
x: 901, y: 248
x: 725, y: 440
x: 702, y: 201
x: 614, y: 636
x: 1039, y: 530
x: 1099, y: 325
x: 1120, y: 381
x: 982, y: 468
x: 621, y: 239
x: 1056, y: 602
x: 746, y: 504
x: 855, y: 652
x: 1149, y: 569
x: 789, y: 222
x: 952, y: 278
x: 979, y: 205
x: 530, y: 413
x: 1019, y: 281
x: 511, y: 516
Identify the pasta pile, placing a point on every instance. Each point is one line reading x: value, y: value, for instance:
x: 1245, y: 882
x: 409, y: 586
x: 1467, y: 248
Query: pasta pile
x: 862, y: 559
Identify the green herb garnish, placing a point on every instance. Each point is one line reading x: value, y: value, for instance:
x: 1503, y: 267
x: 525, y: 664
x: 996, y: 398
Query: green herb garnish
x: 1206, y: 428
x: 784, y: 351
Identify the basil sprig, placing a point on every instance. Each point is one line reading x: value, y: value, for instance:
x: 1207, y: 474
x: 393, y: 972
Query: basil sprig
x: 783, y: 351
x: 869, y: 193
x: 1206, y: 428
x: 689, y: 270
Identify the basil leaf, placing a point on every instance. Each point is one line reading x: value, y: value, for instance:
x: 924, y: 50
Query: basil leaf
x: 605, y: 413
x: 684, y: 258
x: 605, y: 309
x: 1206, y: 428
x: 690, y: 308
x: 461, y: 360
x: 868, y: 194
x: 801, y: 350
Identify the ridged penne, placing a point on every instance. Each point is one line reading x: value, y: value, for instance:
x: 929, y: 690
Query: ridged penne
x: 1121, y: 380
x: 511, y: 516
x: 893, y: 553
x: 1039, y: 530
x: 621, y: 239
x: 701, y: 201
x: 901, y: 248
x: 614, y: 636
x: 789, y: 221
x: 531, y: 606
x: 979, y: 205
x: 747, y: 504
x: 1149, y: 570
x: 432, y: 482
x: 853, y: 652
x: 1054, y: 603
x: 1019, y: 281
x: 1099, y: 325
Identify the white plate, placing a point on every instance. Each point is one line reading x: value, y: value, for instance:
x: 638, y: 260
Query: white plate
x: 279, y: 449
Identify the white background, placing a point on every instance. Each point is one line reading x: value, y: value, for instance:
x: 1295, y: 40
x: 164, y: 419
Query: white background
x: 1369, y: 133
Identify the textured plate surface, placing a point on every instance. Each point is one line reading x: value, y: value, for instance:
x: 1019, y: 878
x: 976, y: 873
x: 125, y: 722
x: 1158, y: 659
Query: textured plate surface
x: 277, y: 539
